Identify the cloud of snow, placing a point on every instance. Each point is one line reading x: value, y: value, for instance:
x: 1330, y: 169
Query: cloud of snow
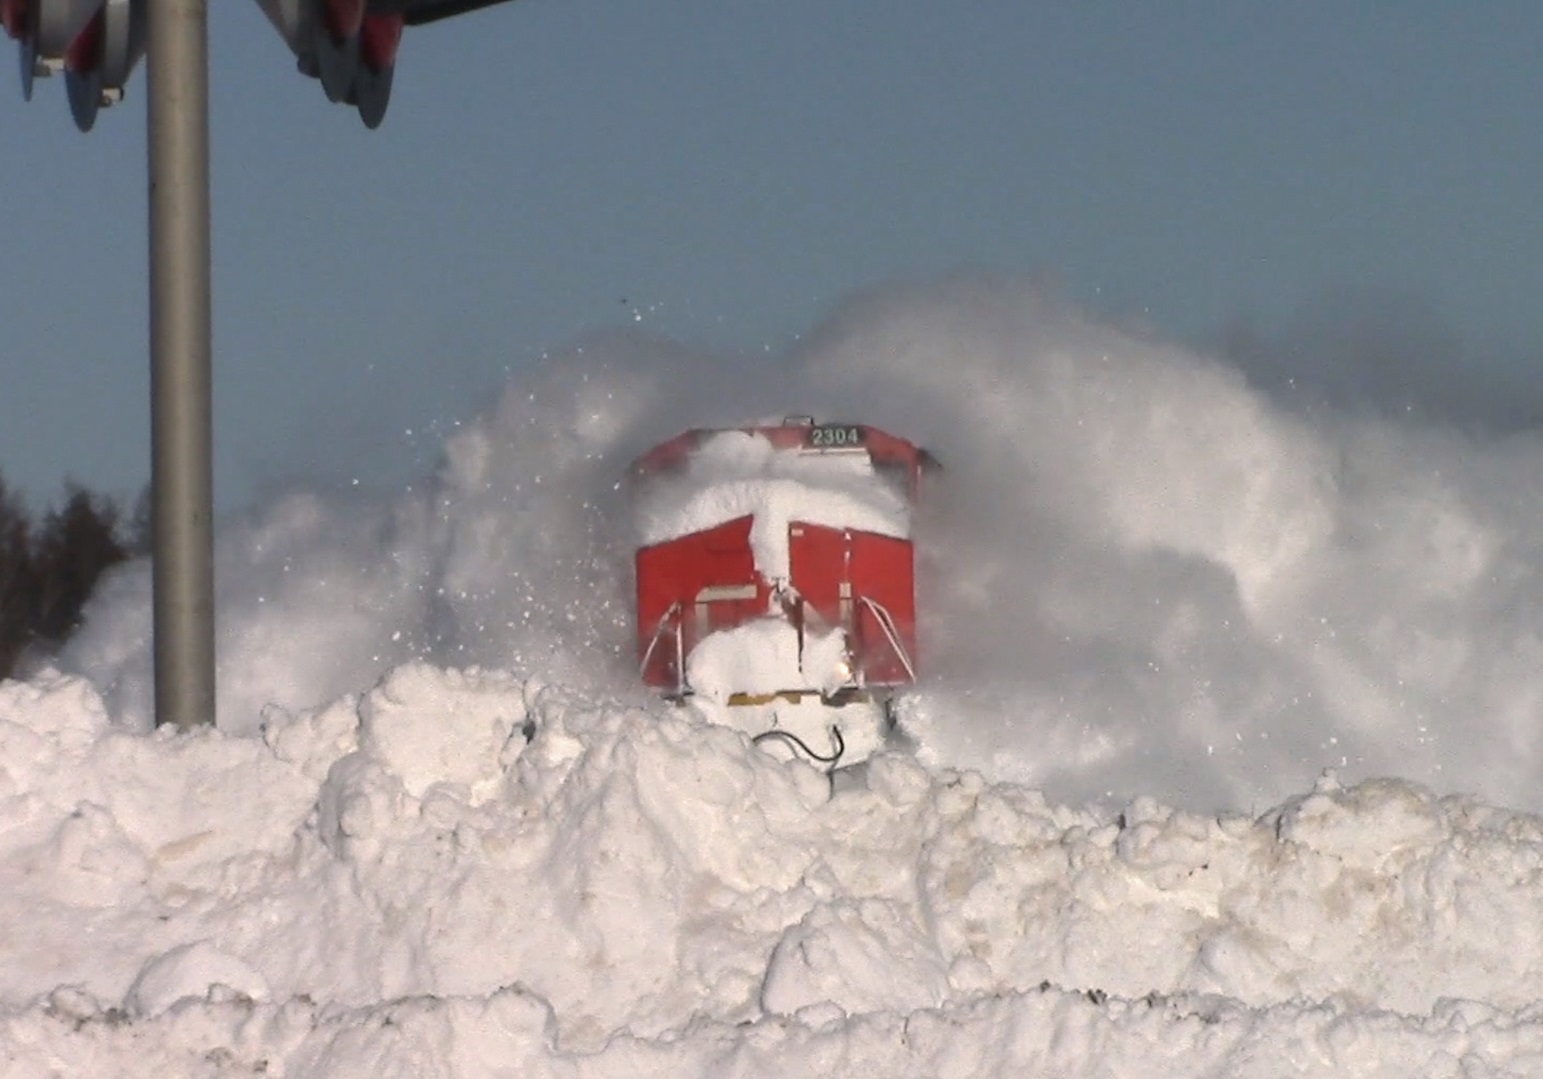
x: 1145, y: 574
x: 1139, y: 572
x: 515, y: 553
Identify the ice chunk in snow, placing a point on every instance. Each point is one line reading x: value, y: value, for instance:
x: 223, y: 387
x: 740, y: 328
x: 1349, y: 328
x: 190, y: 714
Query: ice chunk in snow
x: 192, y: 971
x: 857, y: 956
x: 474, y: 713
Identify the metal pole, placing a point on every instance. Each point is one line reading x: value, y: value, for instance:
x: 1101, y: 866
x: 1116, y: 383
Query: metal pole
x: 182, y: 488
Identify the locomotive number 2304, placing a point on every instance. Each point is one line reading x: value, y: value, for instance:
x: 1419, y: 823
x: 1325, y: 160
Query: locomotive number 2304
x: 834, y: 437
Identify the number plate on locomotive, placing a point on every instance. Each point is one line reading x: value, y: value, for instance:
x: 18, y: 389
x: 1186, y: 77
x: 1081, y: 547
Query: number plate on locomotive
x: 834, y: 437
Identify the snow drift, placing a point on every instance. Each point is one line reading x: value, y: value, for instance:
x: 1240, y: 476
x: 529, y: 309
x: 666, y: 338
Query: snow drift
x: 403, y: 884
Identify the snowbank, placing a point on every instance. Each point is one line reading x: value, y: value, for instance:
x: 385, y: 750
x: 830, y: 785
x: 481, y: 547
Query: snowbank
x: 468, y: 873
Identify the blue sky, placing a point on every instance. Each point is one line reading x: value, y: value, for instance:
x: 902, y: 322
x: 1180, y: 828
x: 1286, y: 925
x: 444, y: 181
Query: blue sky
x: 1341, y: 195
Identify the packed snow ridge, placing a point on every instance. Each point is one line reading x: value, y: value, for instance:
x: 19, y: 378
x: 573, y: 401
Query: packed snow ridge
x: 470, y: 873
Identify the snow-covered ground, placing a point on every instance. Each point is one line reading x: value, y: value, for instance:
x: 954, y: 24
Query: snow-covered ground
x: 1228, y: 755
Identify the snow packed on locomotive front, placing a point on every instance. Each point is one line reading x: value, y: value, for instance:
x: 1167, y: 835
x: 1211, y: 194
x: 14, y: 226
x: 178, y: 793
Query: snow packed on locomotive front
x: 776, y: 580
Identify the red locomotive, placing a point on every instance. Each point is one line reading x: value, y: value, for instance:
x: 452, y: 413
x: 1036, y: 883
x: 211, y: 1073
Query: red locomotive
x: 776, y: 578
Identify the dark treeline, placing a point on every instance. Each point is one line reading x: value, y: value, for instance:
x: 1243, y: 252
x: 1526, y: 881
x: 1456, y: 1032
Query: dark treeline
x: 49, y: 564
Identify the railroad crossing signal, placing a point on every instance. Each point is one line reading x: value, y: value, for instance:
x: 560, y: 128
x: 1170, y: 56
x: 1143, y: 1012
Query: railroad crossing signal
x: 349, y: 46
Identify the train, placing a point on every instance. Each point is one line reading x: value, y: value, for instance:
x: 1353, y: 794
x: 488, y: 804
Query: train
x: 776, y: 580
